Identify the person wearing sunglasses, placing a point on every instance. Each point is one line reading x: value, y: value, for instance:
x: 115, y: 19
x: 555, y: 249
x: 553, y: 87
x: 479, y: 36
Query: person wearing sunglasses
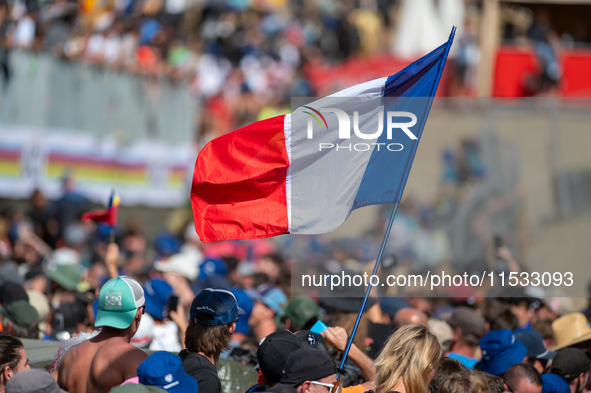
x: 309, y: 370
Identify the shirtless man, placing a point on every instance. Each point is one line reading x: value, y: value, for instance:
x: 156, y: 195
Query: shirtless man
x: 108, y: 359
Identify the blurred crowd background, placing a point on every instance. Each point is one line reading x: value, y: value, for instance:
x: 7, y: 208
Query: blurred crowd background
x: 244, y: 59
x: 98, y: 94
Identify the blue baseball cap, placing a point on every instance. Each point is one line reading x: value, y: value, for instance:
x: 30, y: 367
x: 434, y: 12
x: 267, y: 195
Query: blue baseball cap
x: 244, y: 302
x: 156, y: 292
x: 534, y: 342
x: 219, y: 303
x: 165, y: 370
x: 272, y: 297
x: 212, y: 267
x: 552, y: 383
x: 166, y: 244
x: 500, y: 351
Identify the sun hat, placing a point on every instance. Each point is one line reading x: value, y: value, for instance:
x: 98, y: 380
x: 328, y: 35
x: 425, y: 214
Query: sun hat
x: 570, y: 329
x: 500, y: 351
x: 181, y: 264
x: 67, y: 276
x: 219, y: 303
x: 301, y: 311
x: 119, y: 300
x: 21, y: 313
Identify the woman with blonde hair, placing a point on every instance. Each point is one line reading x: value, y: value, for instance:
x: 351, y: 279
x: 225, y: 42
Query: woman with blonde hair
x: 406, y: 363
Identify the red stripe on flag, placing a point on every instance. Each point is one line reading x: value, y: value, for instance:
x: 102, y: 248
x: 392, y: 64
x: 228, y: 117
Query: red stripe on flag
x: 107, y: 216
x: 239, y: 182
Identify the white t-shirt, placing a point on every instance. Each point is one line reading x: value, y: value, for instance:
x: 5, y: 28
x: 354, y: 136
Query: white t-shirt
x: 166, y: 338
x: 24, y: 35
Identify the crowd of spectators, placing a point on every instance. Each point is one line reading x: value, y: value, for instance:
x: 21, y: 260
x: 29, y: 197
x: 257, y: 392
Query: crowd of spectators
x: 65, y: 280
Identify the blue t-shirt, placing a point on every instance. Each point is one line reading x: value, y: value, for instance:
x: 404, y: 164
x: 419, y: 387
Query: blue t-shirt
x: 469, y: 362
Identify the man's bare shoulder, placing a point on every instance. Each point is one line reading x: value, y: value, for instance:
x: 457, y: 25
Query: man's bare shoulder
x: 119, y: 349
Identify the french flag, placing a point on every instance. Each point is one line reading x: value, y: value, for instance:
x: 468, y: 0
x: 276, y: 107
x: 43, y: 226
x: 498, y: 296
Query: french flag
x: 303, y: 173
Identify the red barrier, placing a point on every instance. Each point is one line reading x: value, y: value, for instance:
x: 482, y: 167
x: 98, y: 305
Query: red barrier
x: 516, y: 67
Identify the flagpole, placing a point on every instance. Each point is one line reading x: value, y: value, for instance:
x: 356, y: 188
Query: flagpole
x: 375, y: 271
x: 398, y: 198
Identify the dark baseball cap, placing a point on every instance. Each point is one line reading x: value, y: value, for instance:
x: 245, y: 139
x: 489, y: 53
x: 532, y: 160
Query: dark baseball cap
x: 534, y: 342
x: 569, y: 363
x: 219, y: 303
x: 273, y: 351
x: 307, y: 364
x: 468, y: 320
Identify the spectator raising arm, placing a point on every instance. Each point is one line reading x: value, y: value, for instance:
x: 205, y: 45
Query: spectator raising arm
x: 111, y: 259
x: 337, y: 337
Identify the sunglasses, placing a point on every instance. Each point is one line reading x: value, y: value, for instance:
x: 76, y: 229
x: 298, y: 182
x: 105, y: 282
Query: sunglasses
x: 335, y: 387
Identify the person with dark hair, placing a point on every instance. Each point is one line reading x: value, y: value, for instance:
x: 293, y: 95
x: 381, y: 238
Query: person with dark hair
x: 442, y: 370
x: 13, y: 359
x: 17, y: 317
x: 214, y: 313
x: 499, y: 316
x: 107, y: 359
x: 69, y: 319
x: 465, y: 382
x: 573, y: 366
x: 468, y: 328
x: 523, y: 378
x: 495, y: 383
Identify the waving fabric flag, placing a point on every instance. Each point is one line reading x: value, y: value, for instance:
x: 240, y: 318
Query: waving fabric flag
x: 108, y: 215
x: 303, y: 173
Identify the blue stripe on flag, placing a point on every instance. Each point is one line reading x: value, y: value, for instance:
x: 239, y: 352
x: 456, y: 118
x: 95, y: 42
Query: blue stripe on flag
x: 386, y: 172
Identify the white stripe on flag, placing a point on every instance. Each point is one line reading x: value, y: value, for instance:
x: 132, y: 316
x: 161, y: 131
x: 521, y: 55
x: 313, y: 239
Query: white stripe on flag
x: 287, y: 135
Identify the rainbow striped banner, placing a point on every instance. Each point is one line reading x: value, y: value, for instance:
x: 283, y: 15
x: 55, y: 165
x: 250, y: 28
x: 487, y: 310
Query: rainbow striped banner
x: 144, y: 172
